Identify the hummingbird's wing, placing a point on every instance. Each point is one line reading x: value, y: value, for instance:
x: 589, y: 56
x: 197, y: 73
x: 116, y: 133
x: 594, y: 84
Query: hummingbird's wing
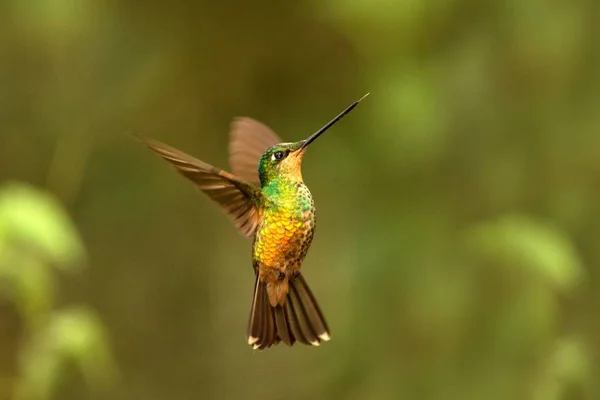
x: 239, y: 199
x: 248, y: 140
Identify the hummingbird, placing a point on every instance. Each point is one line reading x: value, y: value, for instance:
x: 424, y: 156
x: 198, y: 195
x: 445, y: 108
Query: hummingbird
x: 268, y: 201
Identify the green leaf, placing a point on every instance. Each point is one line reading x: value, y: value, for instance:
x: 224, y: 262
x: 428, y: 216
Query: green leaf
x: 36, y: 220
x: 522, y: 241
x: 74, y: 335
x: 78, y: 334
x: 569, y: 364
x: 34, y: 289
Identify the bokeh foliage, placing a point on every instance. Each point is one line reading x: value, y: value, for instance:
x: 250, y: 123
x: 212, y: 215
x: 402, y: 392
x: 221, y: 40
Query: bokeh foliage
x: 37, y: 237
x: 456, y: 253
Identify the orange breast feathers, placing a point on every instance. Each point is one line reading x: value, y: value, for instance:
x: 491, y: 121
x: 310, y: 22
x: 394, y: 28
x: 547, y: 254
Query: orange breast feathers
x: 279, y: 238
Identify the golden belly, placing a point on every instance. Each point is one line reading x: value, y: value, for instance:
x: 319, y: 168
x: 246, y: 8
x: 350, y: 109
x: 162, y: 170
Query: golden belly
x: 283, y: 238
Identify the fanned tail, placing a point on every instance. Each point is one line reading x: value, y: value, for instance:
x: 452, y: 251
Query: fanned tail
x: 299, y: 319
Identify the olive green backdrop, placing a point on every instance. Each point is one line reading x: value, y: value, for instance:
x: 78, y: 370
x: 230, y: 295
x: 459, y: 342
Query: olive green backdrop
x: 457, y: 250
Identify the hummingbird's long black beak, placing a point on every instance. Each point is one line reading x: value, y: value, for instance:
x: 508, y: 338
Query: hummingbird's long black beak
x: 318, y: 133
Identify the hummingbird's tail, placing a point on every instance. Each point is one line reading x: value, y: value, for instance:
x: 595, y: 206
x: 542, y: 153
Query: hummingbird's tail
x: 299, y: 319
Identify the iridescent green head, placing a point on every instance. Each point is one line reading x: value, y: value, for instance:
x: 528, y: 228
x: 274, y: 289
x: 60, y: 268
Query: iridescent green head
x: 285, y: 159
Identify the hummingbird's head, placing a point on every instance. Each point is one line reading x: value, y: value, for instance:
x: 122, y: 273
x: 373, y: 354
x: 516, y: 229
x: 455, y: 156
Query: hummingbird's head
x: 283, y: 159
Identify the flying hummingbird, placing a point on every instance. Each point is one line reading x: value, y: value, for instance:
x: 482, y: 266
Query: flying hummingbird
x: 269, y: 202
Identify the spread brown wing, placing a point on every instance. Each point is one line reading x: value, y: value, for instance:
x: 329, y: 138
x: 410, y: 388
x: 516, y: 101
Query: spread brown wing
x: 238, y: 198
x: 248, y: 140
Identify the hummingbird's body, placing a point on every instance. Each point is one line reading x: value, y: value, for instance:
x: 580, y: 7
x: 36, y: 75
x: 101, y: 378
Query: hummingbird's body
x: 268, y: 201
x: 284, y: 235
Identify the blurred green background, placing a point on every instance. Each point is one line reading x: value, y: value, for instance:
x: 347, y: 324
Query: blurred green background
x: 457, y: 251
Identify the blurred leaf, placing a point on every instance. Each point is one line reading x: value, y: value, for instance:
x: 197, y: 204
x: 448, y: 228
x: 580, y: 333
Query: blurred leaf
x: 568, y: 364
x: 78, y: 334
x: 34, y: 219
x: 520, y: 240
x: 35, y: 230
x: 39, y: 370
x: 34, y: 289
x: 74, y: 335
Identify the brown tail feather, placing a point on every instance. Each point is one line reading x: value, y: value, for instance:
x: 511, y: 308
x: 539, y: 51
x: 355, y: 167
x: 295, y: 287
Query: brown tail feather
x: 310, y: 308
x: 281, y: 322
x: 262, y: 331
x: 299, y: 319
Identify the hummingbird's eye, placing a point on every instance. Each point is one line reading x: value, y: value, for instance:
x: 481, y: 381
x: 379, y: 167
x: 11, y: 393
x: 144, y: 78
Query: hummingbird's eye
x: 278, y: 155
